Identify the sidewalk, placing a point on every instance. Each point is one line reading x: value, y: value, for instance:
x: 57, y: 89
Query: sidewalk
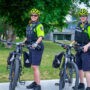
x: 46, y: 85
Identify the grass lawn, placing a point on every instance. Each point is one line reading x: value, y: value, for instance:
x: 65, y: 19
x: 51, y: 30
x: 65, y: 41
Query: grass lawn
x: 46, y: 69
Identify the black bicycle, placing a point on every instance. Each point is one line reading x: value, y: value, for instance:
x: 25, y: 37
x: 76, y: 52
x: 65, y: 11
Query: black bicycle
x: 15, y: 66
x: 16, y: 62
x: 68, y: 68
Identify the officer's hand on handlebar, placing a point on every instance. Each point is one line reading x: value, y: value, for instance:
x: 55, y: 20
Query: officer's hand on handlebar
x: 85, y: 48
x: 34, y: 45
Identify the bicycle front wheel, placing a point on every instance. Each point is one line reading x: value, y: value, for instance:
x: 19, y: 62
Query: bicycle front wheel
x: 72, y: 75
x: 62, y: 80
x: 14, y: 74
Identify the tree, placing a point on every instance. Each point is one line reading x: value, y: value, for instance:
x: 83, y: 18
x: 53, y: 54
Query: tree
x: 53, y: 12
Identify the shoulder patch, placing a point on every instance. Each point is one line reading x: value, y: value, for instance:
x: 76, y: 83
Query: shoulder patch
x: 42, y: 28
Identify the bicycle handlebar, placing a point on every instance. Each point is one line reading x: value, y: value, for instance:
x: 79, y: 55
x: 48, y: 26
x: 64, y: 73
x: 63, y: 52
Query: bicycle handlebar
x: 3, y: 40
x: 65, y: 46
x: 77, y: 46
x: 80, y: 48
x: 14, y: 43
x: 20, y: 43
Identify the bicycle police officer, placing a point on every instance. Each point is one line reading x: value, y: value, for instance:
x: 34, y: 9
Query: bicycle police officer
x: 34, y: 36
x: 82, y: 37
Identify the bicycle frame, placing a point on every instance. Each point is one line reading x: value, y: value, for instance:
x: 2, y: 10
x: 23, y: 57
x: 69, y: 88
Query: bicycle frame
x: 18, y: 54
x: 68, y: 56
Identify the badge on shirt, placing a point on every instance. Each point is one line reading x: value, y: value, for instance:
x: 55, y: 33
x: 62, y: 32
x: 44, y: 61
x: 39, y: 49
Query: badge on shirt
x: 42, y: 28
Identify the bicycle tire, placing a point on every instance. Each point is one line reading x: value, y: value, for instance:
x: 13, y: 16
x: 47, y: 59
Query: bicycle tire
x: 14, y: 71
x: 73, y: 70
x: 62, y: 80
x: 11, y: 75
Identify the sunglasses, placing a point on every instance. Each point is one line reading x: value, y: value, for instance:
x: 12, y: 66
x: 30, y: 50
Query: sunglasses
x: 34, y: 15
x: 83, y: 16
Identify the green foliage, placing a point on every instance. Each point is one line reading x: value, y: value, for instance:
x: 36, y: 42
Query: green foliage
x: 53, y: 12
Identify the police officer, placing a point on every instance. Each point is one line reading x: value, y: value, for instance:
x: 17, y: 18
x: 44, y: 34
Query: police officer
x: 82, y: 37
x: 34, y: 36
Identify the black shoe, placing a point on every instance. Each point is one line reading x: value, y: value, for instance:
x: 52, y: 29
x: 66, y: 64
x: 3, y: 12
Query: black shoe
x: 32, y: 85
x: 81, y: 86
x: 37, y: 87
x: 88, y: 88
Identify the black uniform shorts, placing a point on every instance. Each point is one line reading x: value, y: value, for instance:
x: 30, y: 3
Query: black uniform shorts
x: 35, y: 56
x: 83, y: 61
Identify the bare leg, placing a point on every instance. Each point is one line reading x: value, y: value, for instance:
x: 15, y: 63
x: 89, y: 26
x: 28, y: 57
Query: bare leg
x: 81, y: 76
x: 36, y: 74
x: 87, y: 73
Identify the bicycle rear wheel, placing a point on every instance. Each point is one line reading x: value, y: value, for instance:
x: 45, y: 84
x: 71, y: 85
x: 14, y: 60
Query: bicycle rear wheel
x: 72, y: 74
x: 14, y: 74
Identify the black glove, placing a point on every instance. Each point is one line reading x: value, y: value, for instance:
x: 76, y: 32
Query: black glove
x: 27, y: 42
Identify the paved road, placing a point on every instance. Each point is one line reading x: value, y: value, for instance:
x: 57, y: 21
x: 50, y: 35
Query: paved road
x: 46, y: 85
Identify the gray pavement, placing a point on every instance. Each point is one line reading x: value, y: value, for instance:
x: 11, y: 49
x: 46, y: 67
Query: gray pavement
x: 46, y: 85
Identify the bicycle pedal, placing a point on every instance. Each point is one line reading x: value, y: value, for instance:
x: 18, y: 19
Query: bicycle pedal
x: 56, y: 84
x: 22, y: 82
x: 66, y: 80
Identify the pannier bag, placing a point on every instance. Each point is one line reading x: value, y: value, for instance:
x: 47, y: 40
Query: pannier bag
x: 57, y: 60
x: 27, y: 62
